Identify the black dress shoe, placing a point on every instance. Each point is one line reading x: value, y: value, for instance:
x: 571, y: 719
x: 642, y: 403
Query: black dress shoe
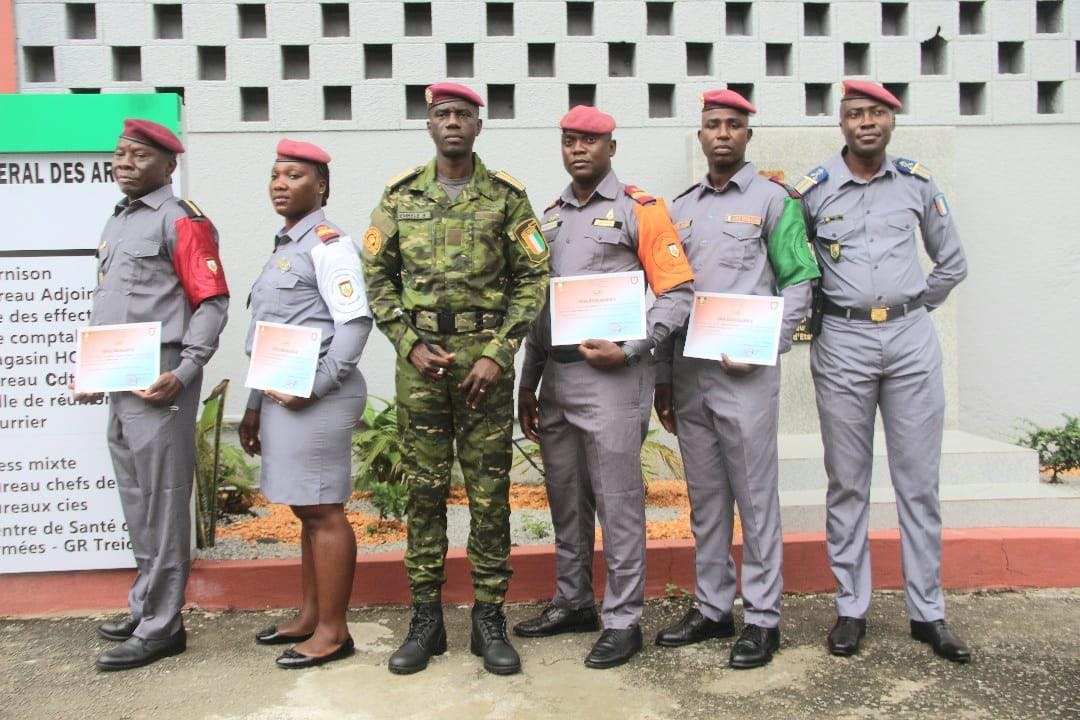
x: 489, y: 640
x: 614, y: 648
x: 755, y: 647
x: 554, y: 620
x: 136, y: 652
x: 427, y: 637
x: 292, y: 660
x: 845, y: 635
x: 942, y: 639
x: 271, y: 636
x: 118, y: 630
x: 695, y: 627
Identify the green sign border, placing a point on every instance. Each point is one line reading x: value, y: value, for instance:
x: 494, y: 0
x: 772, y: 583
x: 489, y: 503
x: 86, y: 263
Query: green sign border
x: 43, y: 123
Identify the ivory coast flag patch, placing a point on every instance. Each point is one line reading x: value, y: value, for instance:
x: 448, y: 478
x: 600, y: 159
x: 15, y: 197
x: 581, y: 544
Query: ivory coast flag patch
x: 528, y: 235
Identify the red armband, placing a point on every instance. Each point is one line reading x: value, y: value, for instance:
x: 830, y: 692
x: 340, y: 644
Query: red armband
x: 196, y: 260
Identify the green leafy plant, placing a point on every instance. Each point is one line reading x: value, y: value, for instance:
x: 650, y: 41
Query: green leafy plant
x: 236, y: 481
x: 390, y: 499
x: 674, y: 592
x: 377, y: 449
x: 536, y: 527
x: 1058, y: 448
x: 207, y: 464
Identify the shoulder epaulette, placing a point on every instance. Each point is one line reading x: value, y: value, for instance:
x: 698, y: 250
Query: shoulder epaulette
x: 812, y: 178
x: 510, y: 180
x: 191, y: 209
x: 638, y: 195
x: 687, y: 190
x: 326, y: 233
x: 398, y: 180
x: 553, y: 204
x: 792, y: 192
x: 911, y: 167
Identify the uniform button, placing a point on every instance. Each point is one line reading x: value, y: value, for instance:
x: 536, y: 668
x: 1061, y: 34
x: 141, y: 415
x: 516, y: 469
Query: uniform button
x: 879, y: 297
x: 867, y: 212
x: 875, y: 267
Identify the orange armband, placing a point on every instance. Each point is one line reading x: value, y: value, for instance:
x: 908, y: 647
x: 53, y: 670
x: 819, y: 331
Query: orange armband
x: 659, y: 248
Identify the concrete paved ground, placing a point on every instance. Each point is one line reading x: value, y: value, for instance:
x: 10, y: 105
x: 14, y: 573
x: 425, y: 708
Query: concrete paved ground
x: 1026, y: 646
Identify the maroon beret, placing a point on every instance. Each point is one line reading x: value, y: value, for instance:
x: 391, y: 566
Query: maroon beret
x: 712, y: 99
x: 149, y: 132
x: 446, y: 91
x: 586, y: 118
x: 859, y: 89
x: 296, y: 150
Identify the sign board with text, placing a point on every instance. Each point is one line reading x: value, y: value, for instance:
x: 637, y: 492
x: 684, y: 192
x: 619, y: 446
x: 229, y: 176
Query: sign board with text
x: 59, y: 506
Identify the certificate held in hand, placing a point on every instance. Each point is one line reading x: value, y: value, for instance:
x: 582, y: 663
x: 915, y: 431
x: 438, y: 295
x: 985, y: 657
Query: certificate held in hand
x: 117, y: 358
x: 609, y: 306
x: 284, y: 358
x: 746, y: 328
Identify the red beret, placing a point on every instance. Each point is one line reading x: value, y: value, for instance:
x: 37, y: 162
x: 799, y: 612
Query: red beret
x: 296, y: 150
x: 712, y: 99
x: 443, y: 92
x: 151, y: 133
x: 856, y: 89
x: 586, y: 118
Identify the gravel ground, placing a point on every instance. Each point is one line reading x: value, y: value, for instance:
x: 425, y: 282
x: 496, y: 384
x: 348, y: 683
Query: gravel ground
x: 527, y: 527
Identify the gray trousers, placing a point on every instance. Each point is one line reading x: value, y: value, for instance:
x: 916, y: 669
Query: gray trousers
x: 592, y: 425
x: 857, y: 368
x: 727, y: 436
x: 153, y: 454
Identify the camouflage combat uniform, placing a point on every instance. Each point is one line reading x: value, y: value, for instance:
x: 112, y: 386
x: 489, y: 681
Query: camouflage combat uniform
x: 481, y: 262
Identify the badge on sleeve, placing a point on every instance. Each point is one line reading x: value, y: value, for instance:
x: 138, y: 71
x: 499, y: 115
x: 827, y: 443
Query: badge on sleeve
x: 531, y: 240
x: 941, y: 205
x: 373, y: 240
x: 345, y: 287
x: 211, y: 265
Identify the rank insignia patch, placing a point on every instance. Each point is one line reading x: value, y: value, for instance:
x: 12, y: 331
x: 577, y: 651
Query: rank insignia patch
x: 834, y: 251
x: 373, y: 240
x: 812, y: 178
x: 531, y: 240
x: 326, y: 233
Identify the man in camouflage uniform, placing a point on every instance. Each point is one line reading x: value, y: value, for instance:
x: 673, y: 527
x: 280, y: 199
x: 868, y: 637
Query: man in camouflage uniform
x: 456, y: 270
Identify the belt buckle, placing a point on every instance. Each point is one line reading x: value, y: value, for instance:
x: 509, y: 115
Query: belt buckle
x: 427, y: 320
x: 465, y: 322
x: 879, y: 314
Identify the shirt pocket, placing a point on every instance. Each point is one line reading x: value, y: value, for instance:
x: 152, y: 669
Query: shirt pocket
x: 836, y: 242
x: 739, y: 245
x: 610, y: 249
x: 899, y: 235
x: 144, y: 265
x: 282, y: 295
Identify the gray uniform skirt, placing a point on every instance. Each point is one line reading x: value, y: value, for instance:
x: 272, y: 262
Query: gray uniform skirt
x: 307, y: 454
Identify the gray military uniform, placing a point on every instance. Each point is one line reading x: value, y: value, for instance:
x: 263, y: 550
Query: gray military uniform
x: 153, y: 448
x: 865, y: 240
x: 592, y: 421
x: 314, y: 279
x: 727, y: 425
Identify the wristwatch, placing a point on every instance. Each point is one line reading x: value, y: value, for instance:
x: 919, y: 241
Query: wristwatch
x: 632, y: 357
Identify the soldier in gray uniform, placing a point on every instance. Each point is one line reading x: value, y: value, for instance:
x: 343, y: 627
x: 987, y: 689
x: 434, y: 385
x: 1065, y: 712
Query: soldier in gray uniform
x: 313, y: 279
x: 877, y: 348
x: 593, y: 407
x: 158, y: 261
x: 743, y: 234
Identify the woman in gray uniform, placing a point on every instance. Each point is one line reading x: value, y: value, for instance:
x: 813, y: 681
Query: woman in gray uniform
x: 312, y: 279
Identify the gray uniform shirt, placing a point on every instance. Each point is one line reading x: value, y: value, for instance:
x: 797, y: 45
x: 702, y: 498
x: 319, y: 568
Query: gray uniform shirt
x: 137, y: 281
x: 314, y: 278
x: 598, y: 236
x: 725, y: 232
x: 864, y: 235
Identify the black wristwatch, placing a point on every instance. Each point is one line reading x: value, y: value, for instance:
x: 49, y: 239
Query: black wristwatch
x: 632, y: 357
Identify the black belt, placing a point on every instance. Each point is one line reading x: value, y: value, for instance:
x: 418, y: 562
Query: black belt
x: 876, y: 314
x: 566, y: 355
x: 451, y: 323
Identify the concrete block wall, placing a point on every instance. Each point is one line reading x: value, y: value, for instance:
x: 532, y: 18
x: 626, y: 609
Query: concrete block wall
x: 1047, y: 33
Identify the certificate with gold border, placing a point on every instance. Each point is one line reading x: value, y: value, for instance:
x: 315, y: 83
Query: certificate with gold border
x: 284, y: 358
x: 117, y: 358
x: 746, y: 328
x: 608, y: 306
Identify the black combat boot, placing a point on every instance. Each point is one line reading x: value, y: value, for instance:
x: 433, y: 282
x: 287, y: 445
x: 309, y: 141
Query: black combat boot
x: 427, y: 637
x: 490, y: 642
